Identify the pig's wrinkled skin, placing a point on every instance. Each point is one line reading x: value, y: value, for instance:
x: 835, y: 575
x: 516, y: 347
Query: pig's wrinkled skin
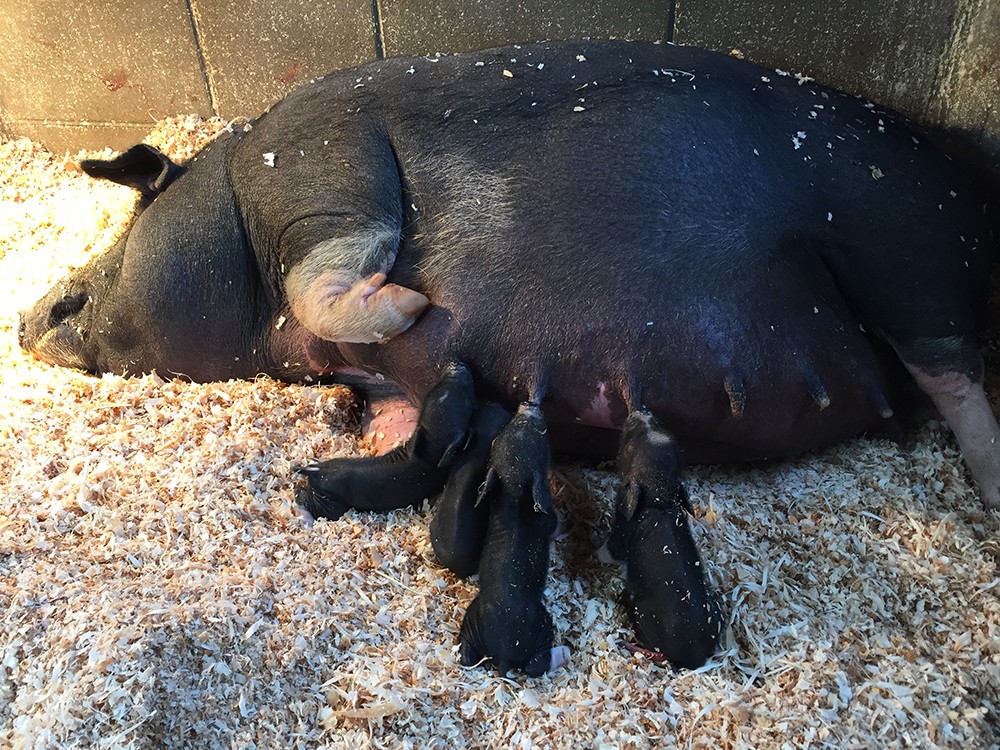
x: 603, y: 227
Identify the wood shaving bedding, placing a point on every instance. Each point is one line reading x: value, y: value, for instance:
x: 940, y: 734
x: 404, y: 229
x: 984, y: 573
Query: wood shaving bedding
x: 159, y: 589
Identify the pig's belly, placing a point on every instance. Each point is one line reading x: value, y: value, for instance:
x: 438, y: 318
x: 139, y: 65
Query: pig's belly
x: 775, y: 400
x: 731, y: 381
x: 742, y: 352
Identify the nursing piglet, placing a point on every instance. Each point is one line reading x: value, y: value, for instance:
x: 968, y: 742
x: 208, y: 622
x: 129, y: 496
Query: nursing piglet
x: 458, y: 527
x: 507, y: 624
x: 671, y: 608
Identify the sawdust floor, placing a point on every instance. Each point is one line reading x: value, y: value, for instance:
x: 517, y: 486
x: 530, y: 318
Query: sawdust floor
x: 158, y: 588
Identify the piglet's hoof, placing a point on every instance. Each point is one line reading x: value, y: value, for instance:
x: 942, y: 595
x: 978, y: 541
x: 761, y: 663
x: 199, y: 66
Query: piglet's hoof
x: 603, y: 554
x: 559, y: 657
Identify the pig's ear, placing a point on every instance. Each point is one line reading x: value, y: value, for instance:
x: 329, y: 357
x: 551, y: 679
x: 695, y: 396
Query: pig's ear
x: 486, y: 486
x: 141, y: 167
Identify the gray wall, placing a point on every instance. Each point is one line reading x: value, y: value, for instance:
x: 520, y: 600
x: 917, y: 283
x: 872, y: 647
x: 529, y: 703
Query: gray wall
x: 92, y: 74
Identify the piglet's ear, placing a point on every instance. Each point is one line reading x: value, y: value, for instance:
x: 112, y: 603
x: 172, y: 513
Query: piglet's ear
x: 141, y: 167
x: 541, y: 495
x: 630, y: 501
x: 486, y: 486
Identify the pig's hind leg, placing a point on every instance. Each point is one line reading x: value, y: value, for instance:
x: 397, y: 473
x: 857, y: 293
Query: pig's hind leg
x: 922, y: 286
x: 933, y: 333
x: 958, y: 394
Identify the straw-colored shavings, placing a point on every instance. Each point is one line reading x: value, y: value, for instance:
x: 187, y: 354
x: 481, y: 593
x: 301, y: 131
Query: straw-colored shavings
x: 158, y: 588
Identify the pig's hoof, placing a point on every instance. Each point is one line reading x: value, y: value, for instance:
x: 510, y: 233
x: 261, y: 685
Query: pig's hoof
x: 318, y: 504
x: 308, y: 520
x: 990, y: 495
x: 394, y: 309
x: 405, y: 301
x: 366, y: 312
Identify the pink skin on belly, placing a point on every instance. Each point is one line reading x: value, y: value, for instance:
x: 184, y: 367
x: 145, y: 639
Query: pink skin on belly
x: 389, y: 423
x: 598, y: 412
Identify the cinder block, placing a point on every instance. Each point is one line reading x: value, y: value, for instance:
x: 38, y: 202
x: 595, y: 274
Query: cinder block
x: 70, y: 137
x: 256, y: 51
x: 127, y: 63
x: 411, y: 27
x: 886, y: 51
x: 967, y: 100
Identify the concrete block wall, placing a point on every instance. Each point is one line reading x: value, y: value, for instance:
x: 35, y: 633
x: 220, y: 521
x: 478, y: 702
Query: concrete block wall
x: 82, y: 74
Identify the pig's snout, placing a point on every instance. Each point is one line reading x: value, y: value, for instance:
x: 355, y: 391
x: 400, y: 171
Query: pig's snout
x: 47, y: 315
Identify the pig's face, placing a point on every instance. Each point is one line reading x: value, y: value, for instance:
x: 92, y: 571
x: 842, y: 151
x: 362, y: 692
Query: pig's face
x: 180, y: 293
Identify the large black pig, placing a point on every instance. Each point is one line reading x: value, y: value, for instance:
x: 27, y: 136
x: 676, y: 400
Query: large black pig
x: 602, y: 227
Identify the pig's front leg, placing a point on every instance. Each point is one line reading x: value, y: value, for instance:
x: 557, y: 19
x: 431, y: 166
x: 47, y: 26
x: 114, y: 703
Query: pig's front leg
x: 408, y: 474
